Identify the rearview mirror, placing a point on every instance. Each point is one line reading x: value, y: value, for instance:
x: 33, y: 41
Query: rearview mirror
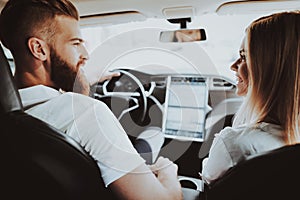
x: 183, y: 35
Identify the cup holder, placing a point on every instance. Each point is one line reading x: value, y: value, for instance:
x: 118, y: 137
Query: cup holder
x: 192, y: 183
x: 188, y: 184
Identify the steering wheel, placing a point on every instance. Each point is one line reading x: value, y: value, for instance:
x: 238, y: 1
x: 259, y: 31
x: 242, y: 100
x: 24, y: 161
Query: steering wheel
x: 127, y: 85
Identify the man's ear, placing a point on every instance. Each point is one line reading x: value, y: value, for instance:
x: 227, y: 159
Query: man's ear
x: 38, y: 48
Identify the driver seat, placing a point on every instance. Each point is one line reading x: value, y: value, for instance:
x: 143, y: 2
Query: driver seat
x: 37, y: 160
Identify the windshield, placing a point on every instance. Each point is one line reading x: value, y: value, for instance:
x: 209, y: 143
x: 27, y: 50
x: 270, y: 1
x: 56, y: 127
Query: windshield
x: 224, y: 35
x: 129, y: 45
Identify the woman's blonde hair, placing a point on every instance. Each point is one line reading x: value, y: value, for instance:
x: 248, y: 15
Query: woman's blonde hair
x: 273, y: 60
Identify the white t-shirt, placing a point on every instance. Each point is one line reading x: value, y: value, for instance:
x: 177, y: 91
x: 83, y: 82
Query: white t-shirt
x: 90, y: 123
x: 233, y: 145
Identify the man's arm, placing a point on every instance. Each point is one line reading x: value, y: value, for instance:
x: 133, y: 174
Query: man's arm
x: 142, y: 183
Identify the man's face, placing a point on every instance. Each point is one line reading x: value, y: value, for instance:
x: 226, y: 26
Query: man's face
x: 68, y: 54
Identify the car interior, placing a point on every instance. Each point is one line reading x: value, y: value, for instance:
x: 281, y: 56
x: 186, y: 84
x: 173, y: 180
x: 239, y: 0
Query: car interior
x: 167, y: 82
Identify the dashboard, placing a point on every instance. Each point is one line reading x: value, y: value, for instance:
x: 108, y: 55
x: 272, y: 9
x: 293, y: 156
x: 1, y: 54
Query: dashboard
x: 186, y: 107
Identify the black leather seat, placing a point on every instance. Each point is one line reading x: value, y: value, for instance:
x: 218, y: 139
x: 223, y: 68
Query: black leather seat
x: 272, y: 175
x: 38, y: 161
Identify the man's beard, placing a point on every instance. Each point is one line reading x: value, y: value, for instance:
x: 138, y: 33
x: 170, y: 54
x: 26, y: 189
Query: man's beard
x: 66, y: 77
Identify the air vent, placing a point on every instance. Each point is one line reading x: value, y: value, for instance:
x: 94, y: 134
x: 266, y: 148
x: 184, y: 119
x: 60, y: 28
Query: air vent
x: 221, y: 83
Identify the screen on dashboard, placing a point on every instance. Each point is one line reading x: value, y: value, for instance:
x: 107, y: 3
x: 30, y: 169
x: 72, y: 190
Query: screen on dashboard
x: 185, y: 108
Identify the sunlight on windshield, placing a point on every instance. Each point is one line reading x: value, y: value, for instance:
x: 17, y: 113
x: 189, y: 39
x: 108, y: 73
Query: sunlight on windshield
x: 224, y: 34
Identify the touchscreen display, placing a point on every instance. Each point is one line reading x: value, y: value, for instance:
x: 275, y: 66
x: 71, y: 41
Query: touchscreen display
x: 185, y: 110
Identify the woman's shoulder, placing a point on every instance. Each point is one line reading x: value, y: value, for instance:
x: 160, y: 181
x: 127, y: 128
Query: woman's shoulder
x: 232, y: 132
x: 262, y: 128
x: 253, y: 139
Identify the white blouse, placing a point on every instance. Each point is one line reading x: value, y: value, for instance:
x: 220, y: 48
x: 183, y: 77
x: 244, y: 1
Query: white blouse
x: 233, y: 145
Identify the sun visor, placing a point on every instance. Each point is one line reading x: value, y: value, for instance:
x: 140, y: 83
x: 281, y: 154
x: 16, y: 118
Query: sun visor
x: 179, y: 12
x: 256, y: 7
x: 111, y: 18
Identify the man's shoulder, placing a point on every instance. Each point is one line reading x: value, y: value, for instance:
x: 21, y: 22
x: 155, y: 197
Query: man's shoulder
x: 41, y: 94
x: 37, y: 94
x: 80, y: 100
x: 78, y: 97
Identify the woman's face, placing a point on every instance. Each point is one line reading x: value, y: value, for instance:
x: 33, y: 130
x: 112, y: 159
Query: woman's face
x: 241, y: 71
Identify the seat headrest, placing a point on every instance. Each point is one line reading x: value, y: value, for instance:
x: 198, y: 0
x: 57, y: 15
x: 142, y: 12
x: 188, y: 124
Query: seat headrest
x: 261, y: 176
x: 9, y: 96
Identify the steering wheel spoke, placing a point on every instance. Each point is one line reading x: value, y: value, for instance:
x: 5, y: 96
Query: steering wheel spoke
x: 127, y: 85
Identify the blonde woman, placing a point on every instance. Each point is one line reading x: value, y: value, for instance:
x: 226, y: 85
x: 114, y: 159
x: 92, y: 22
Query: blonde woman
x: 268, y: 74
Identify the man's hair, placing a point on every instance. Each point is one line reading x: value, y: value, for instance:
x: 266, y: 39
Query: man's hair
x: 22, y: 19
